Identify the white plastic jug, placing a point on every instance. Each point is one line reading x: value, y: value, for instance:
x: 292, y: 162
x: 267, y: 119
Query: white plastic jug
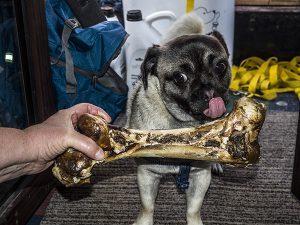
x: 118, y: 64
x: 216, y: 14
x: 142, y: 35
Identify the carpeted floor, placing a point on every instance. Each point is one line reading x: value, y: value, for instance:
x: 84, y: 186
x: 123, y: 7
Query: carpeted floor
x: 256, y: 195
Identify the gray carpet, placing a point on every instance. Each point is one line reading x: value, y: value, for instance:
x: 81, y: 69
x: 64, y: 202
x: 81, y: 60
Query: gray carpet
x: 257, y: 195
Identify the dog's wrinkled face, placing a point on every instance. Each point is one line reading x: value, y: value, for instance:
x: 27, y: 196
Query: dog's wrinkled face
x: 194, y: 75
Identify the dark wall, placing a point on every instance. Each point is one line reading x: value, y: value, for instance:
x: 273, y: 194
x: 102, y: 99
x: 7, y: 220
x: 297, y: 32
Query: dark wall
x: 266, y: 32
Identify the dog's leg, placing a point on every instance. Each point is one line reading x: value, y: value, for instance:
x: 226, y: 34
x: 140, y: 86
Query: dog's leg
x: 216, y: 168
x: 148, y: 183
x: 199, y: 183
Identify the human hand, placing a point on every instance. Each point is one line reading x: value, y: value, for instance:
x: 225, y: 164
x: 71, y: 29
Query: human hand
x: 51, y: 138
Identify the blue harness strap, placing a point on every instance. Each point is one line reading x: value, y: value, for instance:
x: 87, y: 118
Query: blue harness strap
x: 182, y: 179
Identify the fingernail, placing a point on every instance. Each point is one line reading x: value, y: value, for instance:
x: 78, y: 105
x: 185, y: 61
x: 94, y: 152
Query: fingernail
x: 99, y: 155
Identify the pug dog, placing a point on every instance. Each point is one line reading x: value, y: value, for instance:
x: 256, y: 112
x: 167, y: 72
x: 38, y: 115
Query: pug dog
x: 184, y: 82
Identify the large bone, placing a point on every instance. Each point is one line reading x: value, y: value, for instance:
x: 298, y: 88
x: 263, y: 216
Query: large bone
x: 231, y: 140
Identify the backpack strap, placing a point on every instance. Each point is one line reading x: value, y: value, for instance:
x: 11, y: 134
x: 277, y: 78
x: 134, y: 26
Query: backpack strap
x: 109, y: 79
x: 182, y: 179
x: 70, y: 25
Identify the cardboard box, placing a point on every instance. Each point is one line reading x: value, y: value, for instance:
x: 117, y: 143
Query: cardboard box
x: 252, y: 2
x: 269, y: 2
x: 286, y: 2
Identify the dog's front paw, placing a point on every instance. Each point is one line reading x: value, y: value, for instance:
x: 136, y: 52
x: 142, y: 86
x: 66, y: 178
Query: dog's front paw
x: 194, y: 219
x: 145, y: 218
x: 216, y: 168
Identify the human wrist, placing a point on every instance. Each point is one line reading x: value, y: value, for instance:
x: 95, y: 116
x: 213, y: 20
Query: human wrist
x: 12, y: 147
x: 31, y: 139
x: 30, y: 153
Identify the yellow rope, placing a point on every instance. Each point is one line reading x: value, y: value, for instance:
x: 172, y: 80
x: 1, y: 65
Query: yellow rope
x: 266, y: 78
x: 189, y: 5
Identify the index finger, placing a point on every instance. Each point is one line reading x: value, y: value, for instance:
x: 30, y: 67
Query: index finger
x: 91, y: 109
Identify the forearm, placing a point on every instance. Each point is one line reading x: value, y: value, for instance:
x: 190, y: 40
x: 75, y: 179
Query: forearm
x: 19, y: 152
x: 13, y: 145
x: 13, y: 171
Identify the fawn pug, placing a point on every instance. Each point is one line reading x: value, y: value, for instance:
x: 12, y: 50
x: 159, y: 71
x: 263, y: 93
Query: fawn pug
x: 184, y: 82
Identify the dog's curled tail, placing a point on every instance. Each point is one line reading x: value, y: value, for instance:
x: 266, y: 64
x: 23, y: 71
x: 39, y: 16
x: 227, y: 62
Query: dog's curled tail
x: 185, y: 25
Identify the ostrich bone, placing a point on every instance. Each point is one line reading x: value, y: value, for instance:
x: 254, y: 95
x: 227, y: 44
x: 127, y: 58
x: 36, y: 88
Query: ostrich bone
x: 231, y: 140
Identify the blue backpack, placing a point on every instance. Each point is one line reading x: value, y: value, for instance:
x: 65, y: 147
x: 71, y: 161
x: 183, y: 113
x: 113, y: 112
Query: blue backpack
x: 80, y: 59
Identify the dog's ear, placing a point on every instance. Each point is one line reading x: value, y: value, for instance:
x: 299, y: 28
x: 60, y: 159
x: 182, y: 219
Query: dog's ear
x: 220, y: 38
x: 149, y: 64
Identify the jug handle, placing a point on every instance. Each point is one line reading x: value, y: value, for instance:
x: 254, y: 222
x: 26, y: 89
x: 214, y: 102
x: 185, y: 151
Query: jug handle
x: 159, y: 15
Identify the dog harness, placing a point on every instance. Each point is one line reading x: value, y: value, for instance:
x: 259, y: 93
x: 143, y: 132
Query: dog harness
x: 182, y: 179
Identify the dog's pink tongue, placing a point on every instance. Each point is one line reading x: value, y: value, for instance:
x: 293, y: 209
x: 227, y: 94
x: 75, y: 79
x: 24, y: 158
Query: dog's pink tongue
x: 216, y: 108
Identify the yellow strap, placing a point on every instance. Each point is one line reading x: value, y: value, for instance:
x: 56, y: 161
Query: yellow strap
x: 246, y: 77
x: 273, y: 75
x: 265, y: 85
x: 253, y: 83
x: 297, y: 91
x: 266, y: 78
x: 296, y: 63
x: 189, y: 5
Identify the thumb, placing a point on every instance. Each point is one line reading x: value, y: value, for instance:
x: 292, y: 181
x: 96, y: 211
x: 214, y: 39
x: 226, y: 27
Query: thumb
x: 85, y: 145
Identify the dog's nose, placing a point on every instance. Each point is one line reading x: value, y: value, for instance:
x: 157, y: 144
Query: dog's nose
x: 209, y: 94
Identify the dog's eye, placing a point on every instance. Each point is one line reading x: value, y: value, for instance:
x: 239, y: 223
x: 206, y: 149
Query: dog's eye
x: 179, y: 78
x: 220, y: 67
